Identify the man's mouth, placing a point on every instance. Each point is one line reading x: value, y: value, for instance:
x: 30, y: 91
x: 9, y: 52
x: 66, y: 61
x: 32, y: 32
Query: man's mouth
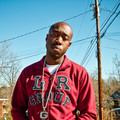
x: 56, y: 47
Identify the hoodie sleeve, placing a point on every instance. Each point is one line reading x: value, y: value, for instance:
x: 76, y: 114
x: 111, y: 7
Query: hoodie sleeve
x: 86, y: 101
x: 19, y: 100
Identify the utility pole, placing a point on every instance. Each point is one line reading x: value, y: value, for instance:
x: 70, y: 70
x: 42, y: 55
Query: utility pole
x: 99, y: 61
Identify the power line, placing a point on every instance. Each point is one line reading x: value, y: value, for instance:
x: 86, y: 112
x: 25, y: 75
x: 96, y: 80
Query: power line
x: 113, y: 33
x: 88, y: 51
x: 91, y: 30
x: 108, y: 11
x: 19, y: 36
x: 77, y: 15
x: 110, y: 16
x: 110, y: 23
x: 77, y: 41
x: 112, y: 39
x: 100, y: 2
x: 29, y: 56
x: 90, y: 55
x: 112, y: 20
x: 91, y: 47
x: 82, y: 20
x: 47, y: 27
x: 111, y: 48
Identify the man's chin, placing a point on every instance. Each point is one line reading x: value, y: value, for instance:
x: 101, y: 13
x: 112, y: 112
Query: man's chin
x: 55, y: 56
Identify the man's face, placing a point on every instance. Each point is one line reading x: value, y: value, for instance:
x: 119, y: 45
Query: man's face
x: 58, y: 40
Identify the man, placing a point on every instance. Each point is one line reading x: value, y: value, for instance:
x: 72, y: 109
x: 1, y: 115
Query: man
x: 55, y: 87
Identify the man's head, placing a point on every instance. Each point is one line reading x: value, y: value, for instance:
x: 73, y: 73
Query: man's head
x: 58, y: 40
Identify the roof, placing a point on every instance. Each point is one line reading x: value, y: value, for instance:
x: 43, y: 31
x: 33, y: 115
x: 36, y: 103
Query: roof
x: 3, y: 99
x: 116, y: 95
x: 5, y: 92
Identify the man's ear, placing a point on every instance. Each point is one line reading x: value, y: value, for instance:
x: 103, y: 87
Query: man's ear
x: 46, y: 37
x: 69, y: 44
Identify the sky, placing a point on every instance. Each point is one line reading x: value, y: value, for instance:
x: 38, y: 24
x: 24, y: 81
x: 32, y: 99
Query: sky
x: 25, y: 23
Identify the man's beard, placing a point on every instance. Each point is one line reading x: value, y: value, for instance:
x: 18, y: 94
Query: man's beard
x: 54, y: 55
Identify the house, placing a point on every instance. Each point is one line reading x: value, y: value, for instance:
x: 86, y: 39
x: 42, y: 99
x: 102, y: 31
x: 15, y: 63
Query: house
x: 4, y: 103
x: 116, y: 98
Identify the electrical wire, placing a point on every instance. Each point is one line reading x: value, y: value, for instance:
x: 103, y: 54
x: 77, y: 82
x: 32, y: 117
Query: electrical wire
x: 112, y: 39
x: 103, y: 25
x: 108, y: 11
x: 77, y: 15
x: 90, y: 48
x: 113, y: 33
x: 84, y: 39
x: 80, y: 42
x: 19, y: 36
x: 29, y: 56
x: 111, y: 48
x: 81, y: 24
x: 88, y: 51
x: 90, y: 55
x: 100, y: 2
x: 111, y: 22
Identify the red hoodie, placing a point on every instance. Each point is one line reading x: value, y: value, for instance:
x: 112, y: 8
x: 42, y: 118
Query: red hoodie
x: 72, y: 91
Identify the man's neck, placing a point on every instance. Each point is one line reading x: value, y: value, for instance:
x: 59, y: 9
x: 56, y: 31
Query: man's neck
x: 54, y: 61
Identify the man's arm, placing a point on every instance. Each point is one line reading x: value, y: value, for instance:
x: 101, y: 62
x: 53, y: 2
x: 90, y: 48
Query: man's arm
x: 86, y: 101
x: 19, y: 101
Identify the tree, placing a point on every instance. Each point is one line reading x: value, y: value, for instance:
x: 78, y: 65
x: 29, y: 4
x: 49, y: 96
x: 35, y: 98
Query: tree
x: 116, y: 63
x: 9, y: 67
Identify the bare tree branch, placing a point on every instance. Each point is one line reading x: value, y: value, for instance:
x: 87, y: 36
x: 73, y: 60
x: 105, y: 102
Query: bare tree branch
x: 9, y: 68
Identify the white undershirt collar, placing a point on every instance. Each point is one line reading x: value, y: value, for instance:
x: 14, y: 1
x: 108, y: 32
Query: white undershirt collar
x: 52, y: 68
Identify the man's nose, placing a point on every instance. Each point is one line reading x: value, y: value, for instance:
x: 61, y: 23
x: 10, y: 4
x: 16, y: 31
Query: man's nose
x: 59, y: 40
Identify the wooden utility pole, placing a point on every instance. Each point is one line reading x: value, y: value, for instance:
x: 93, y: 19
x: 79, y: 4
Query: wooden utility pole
x: 99, y: 61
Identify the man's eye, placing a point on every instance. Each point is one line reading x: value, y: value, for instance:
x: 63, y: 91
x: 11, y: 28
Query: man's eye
x: 55, y: 34
x: 65, y: 37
